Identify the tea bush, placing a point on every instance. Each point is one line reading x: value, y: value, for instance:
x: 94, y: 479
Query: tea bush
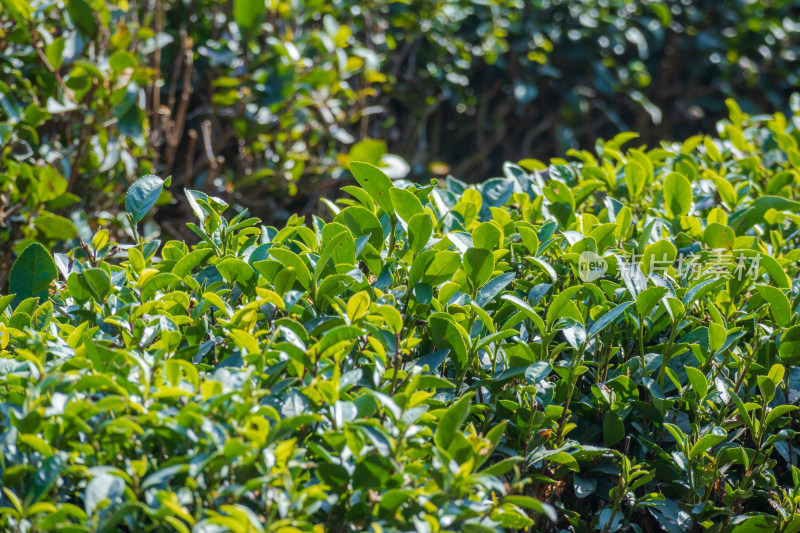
x: 607, y: 343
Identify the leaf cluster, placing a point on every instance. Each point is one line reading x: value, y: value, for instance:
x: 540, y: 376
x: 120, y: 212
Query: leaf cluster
x: 430, y: 357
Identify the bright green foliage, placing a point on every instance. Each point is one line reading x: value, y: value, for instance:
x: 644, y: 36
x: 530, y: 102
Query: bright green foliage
x: 261, y: 100
x: 430, y: 358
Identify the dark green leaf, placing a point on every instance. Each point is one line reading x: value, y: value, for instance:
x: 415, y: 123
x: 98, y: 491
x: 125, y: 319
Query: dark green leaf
x: 32, y: 273
x: 142, y: 196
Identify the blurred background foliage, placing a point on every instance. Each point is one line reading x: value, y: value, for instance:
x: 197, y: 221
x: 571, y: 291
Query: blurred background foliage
x: 263, y: 102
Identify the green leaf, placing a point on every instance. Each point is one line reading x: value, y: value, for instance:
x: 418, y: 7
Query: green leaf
x: 717, y: 335
x: 55, y: 226
x: 19, y: 9
x: 361, y: 221
x: 31, y: 274
x: 332, y: 247
x: 779, y: 411
x: 190, y: 261
x: 97, y: 282
x: 775, y: 271
x: 405, y: 203
x: 284, y: 280
x: 776, y: 374
x: 5, y: 301
x: 441, y: 268
x: 726, y: 191
x: 634, y: 178
x: 55, y: 52
x: 707, y: 441
x: 539, y: 263
x: 608, y: 319
x: 743, y: 220
x: 779, y: 304
x: 503, y: 466
x: 142, y: 196
x: 742, y: 410
x: 156, y: 283
x: 487, y: 236
x: 479, y: 265
x: 196, y: 197
x: 757, y: 524
x: 561, y: 203
x: 526, y: 310
x: 51, y: 184
x: 789, y: 347
x: 767, y: 387
x: 613, y: 429
x: 534, y: 505
x: 358, y: 305
x: 483, y: 316
x: 420, y: 229
x: 700, y: 289
x: 82, y: 15
x: 493, y: 287
x: 337, y: 338
x: 136, y: 257
x: 361, y: 195
x: 215, y: 300
x: 718, y: 236
x: 768, y: 263
x: 698, y: 381
x: 677, y: 195
x: 677, y: 434
x: 451, y: 421
x: 291, y: 259
x: 234, y: 270
x: 658, y: 257
x: 376, y: 183
x: 529, y: 239
x: 248, y: 14
x: 447, y: 335
x: 563, y: 307
x: 76, y: 288
x: 779, y: 181
x: 648, y: 299
x: 344, y: 253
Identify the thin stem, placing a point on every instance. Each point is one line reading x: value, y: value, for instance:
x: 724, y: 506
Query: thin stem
x: 665, y: 356
x: 470, y: 356
x: 392, y: 237
x: 750, y: 361
x: 572, y: 381
x: 641, y: 346
x: 36, y: 46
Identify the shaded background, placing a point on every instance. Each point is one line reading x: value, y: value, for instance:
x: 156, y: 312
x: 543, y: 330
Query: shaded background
x: 263, y: 102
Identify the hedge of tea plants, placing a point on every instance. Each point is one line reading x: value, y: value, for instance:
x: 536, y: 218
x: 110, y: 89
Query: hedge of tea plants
x: 608, y: 342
